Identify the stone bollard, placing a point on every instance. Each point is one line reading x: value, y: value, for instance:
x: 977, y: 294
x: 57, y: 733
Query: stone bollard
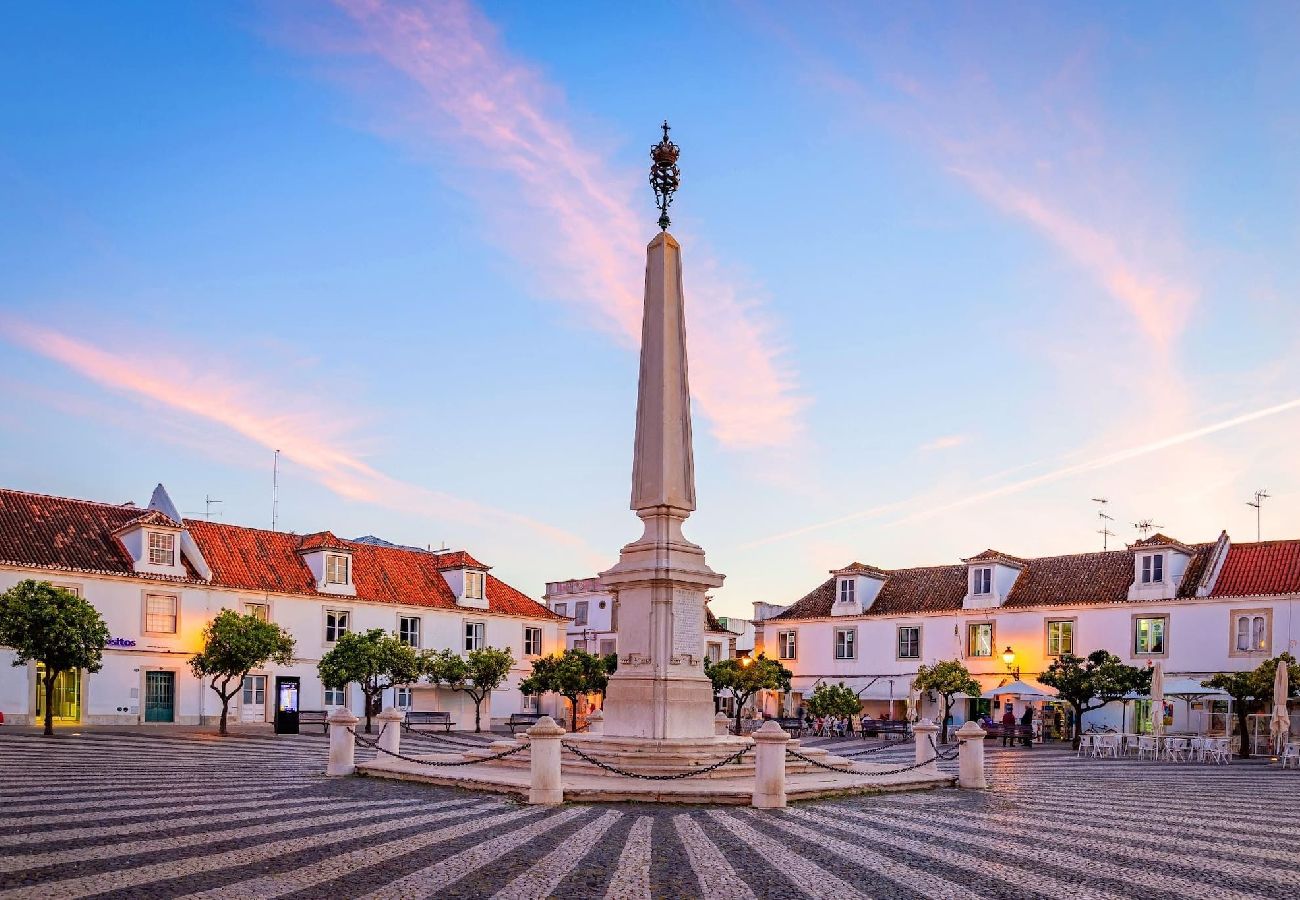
x: 596, y: 722
x: 544, y: 738
x: 721, y: 725
x: 924, y: 731
x: 970, y: 756
x: 390, y: 729
x: 343, y: 746
x: 770, y: 743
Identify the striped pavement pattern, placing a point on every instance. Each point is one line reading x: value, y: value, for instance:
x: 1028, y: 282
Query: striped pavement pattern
x: 159, y: 814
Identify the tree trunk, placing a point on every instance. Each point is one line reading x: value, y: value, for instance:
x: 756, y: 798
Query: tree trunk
x: 50, y: 675
x: 740, y: 702
x: 573, y: 712
x: 943, y: 726
x: 370, y: 704
x: 225, y: 704
x: 1078, y: 726
x: 1243, y: 722
x: 478, y: 703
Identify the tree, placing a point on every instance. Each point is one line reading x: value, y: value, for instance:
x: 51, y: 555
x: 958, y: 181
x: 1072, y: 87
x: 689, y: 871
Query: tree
x: 376, y: 660
x: 1091, y: 684
x: 947, y: 678
x: 746, y: 676
x: 833, y: 700
x: 54, y: 627
x: 234, y: 645
x: 571, y: 674
x: 1247, y: 687
x: 478, y: 675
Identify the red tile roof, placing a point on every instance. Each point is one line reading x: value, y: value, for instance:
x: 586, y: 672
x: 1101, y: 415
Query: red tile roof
x: 1161, y: 540
x: 995, y: 556
x: 151, y: 517
x: 456, y: 559
x: 858, y: 568
x: 1268, y: 567
x: 60, y: 534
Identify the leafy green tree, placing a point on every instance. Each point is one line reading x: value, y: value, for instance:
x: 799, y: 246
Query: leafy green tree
x: 833, y: 700
x: 1248, y: 688
x: 53, y: 627
x: 746, y: 676
x: 478, y: 674
x: 376, y: 660
x: 1092, y: 683
x: 947, y: 678
x: 570, y: 674
x: 234, y: 645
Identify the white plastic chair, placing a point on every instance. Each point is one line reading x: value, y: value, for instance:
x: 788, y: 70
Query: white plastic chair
x: 1177, y: 749
x: 1198, y: 749
x: 1291, y: 754
x: 1085, y: 745
x: 1218, y: 751
x: 1107, y: 745
x: 1147, y: 747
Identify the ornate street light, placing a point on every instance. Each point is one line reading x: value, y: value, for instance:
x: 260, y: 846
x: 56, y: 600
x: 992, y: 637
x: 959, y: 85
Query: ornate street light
x: 1009, y: 657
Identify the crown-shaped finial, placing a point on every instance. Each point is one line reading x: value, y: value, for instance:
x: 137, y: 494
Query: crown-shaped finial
x: 665, y: 177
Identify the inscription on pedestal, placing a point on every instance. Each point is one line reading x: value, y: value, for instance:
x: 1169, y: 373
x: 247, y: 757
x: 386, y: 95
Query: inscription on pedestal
x: 688, y: 623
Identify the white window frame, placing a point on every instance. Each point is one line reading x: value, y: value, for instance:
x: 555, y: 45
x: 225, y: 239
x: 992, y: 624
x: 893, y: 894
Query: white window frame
x: 174, y: 615
x: 848, y: 590
x: 562, y: 609
x: 1138, y: 619
x: 1153, y: 568
x: 846, y: 643
x: 332, y: 563
x: 474, y: 585
x: 342, y: 697
x: 580, y: 610
x: 898, y: 642
x: 401, y: 694
x: 787, y: 644
x: 981, y: 583
x: 404, y: 631
x: 970, y: 642
x: 475, y: 635
x: 339, y: 631
x: 532, y: 640
x: 1047, y: 639
x: 162, y: 548
x: 1259, y: 630
x: 251, y: 609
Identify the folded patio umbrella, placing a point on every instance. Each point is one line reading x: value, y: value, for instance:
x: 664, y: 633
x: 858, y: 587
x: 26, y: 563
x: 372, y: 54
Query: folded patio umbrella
x: 1280, y: 723
x: 1158, y: 699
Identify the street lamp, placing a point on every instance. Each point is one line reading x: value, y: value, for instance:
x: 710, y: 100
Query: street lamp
x: 1009, y: 657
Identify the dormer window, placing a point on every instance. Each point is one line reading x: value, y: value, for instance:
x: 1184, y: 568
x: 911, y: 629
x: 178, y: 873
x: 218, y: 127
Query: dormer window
x: 473, y: 585
x: 982, y: 580
x: 162, y: 549
x: 847, y: 586
x: 338, y: 568
x: 1153, y: 568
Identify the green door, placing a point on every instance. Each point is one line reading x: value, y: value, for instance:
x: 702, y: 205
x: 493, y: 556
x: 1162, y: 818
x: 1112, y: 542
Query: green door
x: 159, y: 696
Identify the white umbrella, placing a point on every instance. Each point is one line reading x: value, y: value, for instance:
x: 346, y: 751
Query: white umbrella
x: 1158, y: 699
x: 1024, y: 690
x: 1280, y: 724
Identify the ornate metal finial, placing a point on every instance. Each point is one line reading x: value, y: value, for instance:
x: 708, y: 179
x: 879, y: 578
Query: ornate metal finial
x: 665, y: 177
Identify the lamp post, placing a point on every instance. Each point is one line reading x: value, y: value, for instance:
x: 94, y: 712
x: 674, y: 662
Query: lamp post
x: 1009, y: 657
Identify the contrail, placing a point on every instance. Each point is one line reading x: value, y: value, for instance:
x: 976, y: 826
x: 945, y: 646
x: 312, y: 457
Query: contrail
x: 1016, y: 487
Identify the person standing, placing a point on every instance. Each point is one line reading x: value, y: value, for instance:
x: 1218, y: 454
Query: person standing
x: 1027, y: 720
x: 1008, y: 726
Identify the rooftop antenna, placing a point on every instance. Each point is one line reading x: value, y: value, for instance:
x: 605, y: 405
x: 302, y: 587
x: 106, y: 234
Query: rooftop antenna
x: 1146, y: 526
x: 275, y: 492
x: 208, y: 500
x: 1104, y: 530
x: 1260, y: 496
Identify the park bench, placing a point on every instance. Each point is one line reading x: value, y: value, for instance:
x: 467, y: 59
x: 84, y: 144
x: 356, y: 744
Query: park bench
x: 997, y: 730
x: 522, y: 720
x: 791, y: 724
x: 883, y: 728
x: 313, y: 717
x: 432, y: 719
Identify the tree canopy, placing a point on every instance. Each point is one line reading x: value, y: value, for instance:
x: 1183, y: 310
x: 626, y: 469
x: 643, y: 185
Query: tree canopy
x: 234, y: 645
x: 833, y: 700
x: 477, y: 674
x: 54, y: 627
x: 1246, y: 688
x: 747, y: 676
x: 1092, y: 683
x: 570, y: 674
x: 947, y: 678
x: 376, y: 660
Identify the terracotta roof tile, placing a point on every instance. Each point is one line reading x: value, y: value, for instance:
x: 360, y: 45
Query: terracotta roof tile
x: 456, y: 559
x: 1267, y: 567
x: 1161, y: 540
x: 321, y: 540
x: 860, y: 568
x: 995, y: 556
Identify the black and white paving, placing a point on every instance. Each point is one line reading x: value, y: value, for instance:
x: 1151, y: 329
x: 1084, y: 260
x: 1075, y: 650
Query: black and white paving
x: 156, y: 813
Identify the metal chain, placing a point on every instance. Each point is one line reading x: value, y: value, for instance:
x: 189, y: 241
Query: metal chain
x: 853, y: 754
x: 426, y: 736
x: 821, y: 765
x: 735, y: 757
x: 430, y: 762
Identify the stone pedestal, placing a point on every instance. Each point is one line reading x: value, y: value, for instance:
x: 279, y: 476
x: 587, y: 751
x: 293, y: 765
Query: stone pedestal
x: 596, y: 722
x: 390, y: 729
x: 970, y: 757
x: 721, y: 724
x: 770, y: 743
x: 924, y: 731
x: 544, y: 746
x: 343, y: 746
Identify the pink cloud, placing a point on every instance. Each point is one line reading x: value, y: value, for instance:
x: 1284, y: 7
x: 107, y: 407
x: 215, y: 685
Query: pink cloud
x: 312, y: 439
x: 582, y: 235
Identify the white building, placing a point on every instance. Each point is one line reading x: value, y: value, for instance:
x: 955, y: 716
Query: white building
x: 158, y: 580
x: 1198, y: 608
x: 593, y: 619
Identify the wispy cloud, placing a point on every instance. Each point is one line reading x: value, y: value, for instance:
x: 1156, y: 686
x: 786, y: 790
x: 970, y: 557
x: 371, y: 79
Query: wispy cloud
x: 1019, y: 486
x: 313, y: 440
x: 946, y: 442
x: 560, y: 206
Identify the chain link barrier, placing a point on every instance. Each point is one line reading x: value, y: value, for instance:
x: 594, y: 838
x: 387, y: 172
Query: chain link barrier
x: 453, y: 742
x: 735, y: 757
x: 937, y: 757
x: 854, y: 754
x: 431, y: 762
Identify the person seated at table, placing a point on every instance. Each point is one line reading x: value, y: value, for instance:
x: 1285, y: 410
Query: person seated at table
x: 1008, y: 725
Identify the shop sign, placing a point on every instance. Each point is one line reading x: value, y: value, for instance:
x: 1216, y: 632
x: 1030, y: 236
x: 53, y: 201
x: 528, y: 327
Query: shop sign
x: 119, y: 642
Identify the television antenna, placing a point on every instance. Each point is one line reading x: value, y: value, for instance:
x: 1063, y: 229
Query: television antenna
x: 275, y: 492
x: 1146, y: 526
x: 208, y: 500
x: 1260, y: 496
x: 1102, y: 518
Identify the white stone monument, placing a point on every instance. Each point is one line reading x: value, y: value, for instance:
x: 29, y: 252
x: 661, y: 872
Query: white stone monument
x: 660, y: 690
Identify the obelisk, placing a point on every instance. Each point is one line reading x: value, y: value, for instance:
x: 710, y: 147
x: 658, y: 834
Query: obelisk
x: 660, y: 690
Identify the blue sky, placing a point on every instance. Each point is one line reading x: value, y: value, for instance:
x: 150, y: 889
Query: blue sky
x: 951, y: 271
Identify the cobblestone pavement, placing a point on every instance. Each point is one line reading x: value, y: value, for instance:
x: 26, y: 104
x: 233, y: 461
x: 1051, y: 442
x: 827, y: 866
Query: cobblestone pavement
x: 166, y: 814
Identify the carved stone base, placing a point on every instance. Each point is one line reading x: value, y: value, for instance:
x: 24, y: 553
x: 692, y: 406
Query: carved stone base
x: 658, y: 708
